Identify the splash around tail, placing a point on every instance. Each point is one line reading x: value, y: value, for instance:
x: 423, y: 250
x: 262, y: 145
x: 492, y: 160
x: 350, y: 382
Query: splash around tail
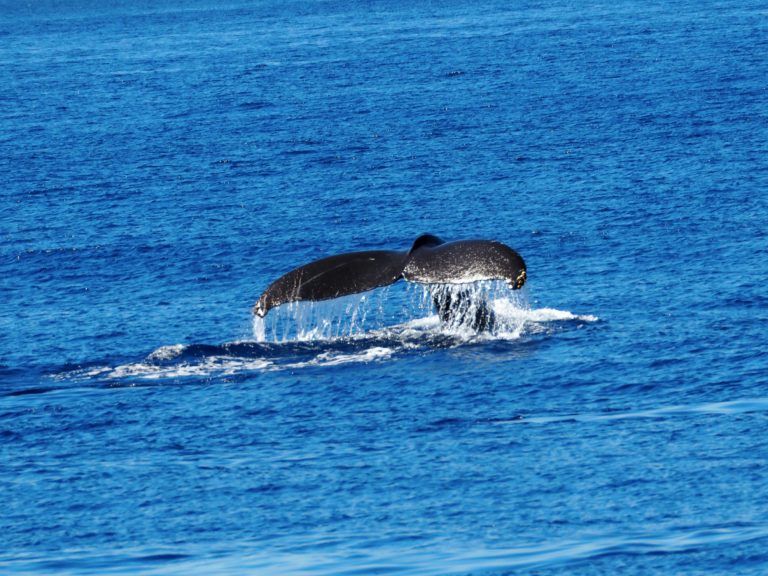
x: 482, y: 309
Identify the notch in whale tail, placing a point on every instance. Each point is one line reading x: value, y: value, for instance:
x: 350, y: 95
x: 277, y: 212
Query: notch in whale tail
x: 429, y: 261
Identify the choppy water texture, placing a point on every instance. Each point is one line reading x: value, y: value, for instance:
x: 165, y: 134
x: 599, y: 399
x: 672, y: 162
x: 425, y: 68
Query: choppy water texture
x: 162, y: 163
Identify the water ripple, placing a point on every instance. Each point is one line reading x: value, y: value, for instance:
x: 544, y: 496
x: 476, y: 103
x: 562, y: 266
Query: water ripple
x: 744, y: 406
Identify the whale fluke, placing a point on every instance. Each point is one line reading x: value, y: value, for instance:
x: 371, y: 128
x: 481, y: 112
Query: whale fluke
x: 429, y: 261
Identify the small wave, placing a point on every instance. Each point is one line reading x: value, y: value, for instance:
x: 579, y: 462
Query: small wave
x: 427, y: 558
x: 728, y: 407
x: 255, y: 105
x: 641, y: 544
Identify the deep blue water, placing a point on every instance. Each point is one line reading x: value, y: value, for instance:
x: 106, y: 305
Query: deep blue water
x: 162, y: 163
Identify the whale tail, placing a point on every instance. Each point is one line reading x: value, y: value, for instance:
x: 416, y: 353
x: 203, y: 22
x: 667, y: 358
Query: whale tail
x: 430, y: 260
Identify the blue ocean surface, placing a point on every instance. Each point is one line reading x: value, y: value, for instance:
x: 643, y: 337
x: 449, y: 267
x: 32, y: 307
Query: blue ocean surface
x: 163, y: 162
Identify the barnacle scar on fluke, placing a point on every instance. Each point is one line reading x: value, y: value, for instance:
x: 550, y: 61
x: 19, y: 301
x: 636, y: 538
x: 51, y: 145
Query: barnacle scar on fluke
x: 429, y: 261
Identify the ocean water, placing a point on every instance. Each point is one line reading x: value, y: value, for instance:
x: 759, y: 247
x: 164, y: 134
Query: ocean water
x: 162, y: 163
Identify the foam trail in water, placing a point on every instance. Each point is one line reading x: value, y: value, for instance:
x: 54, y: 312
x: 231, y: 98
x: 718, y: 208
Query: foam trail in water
x: 335, y: 359
x: 365, y: 327
x: 205, y: 367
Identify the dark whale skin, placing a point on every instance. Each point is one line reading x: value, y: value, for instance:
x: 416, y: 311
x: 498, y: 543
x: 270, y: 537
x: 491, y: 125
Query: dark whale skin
x: 429, y: 261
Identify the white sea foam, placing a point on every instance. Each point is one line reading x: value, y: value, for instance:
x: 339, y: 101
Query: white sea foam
x: 206, y: 367
x: 222, y: 366
x: 336, y: 359
x: 167, y: 352
x: 554, y: 315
